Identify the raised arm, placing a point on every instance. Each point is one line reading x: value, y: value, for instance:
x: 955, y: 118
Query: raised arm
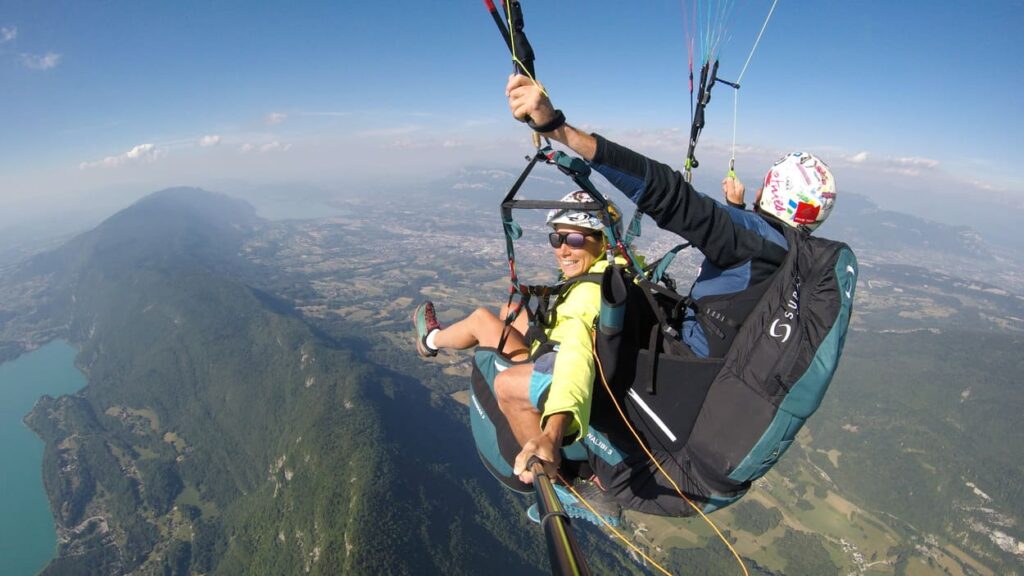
x: 656, y: 189
x: 528, y: 100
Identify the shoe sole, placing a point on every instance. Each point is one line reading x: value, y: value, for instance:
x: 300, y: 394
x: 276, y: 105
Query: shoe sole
x: 577, y: 512
x: 576, y: 509
x: 420, y: 347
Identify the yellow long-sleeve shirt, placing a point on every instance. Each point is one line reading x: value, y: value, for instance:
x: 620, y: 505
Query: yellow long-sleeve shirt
x: 572, y: 380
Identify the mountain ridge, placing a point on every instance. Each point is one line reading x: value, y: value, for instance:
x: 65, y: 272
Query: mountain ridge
x: 220, y: 434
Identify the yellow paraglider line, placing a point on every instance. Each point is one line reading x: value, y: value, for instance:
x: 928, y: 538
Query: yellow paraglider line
x: 654, y: 461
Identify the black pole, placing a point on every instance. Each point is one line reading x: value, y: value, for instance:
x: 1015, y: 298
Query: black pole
x: 563, y: 550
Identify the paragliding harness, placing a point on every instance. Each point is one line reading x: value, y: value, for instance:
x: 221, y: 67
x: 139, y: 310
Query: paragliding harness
x: 723, y: 422
x: 497, y: 447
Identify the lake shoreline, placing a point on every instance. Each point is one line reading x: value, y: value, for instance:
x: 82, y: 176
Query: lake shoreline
x: 28, y: 533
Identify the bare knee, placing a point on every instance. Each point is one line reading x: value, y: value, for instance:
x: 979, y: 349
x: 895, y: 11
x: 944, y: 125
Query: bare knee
x: 483, y: 315
x: 502, y: 388
x: 512, y: 387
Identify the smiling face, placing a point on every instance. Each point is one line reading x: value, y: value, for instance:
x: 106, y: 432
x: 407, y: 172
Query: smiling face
x: 575, y: 261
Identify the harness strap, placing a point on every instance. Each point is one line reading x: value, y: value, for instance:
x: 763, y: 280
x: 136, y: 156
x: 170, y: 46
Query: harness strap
x: 541, y: 316
x: 633, y: 230
x: 652, y: 359
x: 513, y: 313
x: 512, y: 230
x: 660, y: 266
x: 716, y: 318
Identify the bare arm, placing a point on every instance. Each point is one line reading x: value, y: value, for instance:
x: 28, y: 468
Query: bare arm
x: 546, y: 446
x: 656, y: 189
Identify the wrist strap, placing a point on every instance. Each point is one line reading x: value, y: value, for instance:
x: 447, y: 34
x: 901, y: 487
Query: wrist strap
x: 554, y: 124
x: 740, y: 205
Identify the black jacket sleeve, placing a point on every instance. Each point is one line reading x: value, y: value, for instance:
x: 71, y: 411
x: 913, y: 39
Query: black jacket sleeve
x: 676, y: 206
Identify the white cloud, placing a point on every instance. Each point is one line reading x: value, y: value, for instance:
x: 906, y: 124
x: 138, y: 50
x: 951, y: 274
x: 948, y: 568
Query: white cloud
x: 209, y: 140
x: 141, y: 154
x: 909, y: 165
x: 275, y: 117
x: 670, y: 139
x: 915, y: 162
x: 324, y: 113
x: 8, y: 33
x: 408, y: 144
x: 41, y: 61
x: 904, y: 165
x: 275, y: 146
x: 388, y: 132
x: 986, y: 186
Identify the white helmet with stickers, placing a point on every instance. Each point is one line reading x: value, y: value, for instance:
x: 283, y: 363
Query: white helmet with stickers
x: 585, y: 218
x: 799, y: 190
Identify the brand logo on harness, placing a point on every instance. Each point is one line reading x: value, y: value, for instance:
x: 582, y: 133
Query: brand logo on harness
x: 782, y: 327
x: 778, y: 330
x: 599, y: 444
x: 852, y: 272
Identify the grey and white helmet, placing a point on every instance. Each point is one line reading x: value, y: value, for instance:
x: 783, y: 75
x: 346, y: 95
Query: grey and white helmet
x: 585, y: 218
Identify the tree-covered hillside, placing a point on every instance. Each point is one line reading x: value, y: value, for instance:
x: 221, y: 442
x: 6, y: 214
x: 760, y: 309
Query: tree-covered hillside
x: 926, y: 427
x: 239, y: 417
x: 220, y: 434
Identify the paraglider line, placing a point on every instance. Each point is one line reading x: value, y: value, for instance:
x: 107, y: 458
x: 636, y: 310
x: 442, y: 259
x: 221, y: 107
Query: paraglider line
x: 617, y: 534
x: 736, y: 94
x: 640, y: 442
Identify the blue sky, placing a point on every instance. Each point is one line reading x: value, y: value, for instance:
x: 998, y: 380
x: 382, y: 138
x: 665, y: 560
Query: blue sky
x: 909, y: 101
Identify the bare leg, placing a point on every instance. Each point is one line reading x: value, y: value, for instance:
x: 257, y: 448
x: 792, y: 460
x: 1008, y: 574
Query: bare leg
x: 512, y: 389
x: 482, y: 328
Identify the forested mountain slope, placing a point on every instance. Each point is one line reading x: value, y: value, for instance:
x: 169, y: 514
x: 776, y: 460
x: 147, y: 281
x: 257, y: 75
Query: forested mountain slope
x: 220, y: 434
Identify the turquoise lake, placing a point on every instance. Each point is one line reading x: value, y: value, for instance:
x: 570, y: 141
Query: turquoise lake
x: 28, y: 538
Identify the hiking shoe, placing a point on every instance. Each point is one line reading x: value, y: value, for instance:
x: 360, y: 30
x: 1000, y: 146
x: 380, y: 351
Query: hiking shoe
x: 607, y: 508
x: 424, y: 322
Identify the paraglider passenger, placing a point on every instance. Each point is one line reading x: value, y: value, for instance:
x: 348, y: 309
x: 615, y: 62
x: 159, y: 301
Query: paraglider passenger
x: 546, y: 394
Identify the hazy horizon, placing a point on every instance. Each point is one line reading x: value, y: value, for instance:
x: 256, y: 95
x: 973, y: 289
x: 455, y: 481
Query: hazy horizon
x: 348, y: 99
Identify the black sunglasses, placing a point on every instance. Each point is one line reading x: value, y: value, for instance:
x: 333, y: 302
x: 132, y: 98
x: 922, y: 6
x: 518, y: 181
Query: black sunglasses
x: 573, y: 239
